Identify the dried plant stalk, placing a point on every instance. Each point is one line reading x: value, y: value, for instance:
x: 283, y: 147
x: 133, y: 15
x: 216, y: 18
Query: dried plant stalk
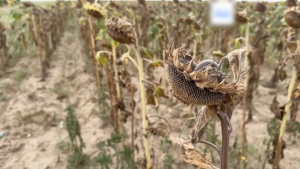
x: 292, y: 19
x: 144, y: 113
x: 38, y: 42
x: 93, y: 52
x: 255, y: 59
x: 118, y: 89
x: 203, y: 83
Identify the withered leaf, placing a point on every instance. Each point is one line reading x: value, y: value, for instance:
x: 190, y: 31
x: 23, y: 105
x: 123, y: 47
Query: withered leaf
x: 275, y: 105
x: 218, y: 53
x: 192, y: 156
x: 101, y: 59
x: 282, y: 75
x: 160, y: 92
x: 146, y: 52
x: 124, y: 74
x: 150, y: 97
x: 132, y: 104
x: 131, y: 88
x: 159, y: 129
x: 296, y: 94
x: 155, y: 64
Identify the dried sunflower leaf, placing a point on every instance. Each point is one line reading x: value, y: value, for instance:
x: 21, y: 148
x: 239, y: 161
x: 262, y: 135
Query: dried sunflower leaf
x: 101, y: 59
x: 160, y: 92
x: 160, y: 129
x: 155, y: 64
x: 179, y: 141
x: 150, y: 97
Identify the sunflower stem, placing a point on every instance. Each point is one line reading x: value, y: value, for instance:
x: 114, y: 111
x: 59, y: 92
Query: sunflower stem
x: 116, y: 70
x: 144, y: 113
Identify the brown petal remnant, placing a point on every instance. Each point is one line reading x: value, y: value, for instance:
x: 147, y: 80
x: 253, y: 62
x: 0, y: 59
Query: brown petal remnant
x: 120, y: 30
x: 95, y: 10
x: 260, y: 7
x: 292, y: 17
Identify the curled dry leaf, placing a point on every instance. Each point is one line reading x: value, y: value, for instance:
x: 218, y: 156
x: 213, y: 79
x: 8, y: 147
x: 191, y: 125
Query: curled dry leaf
x: 150, y: 97
x: 205, y: 115
x: 146, y: 52
x: 159, y: 129
x: 218, y: 53
x: 277, y: 110
x: 275, y: 105
x: 296, y: 94
x: 194, y: 157
x: 160, y: 92
x: 101, y: 59
x: 180, y: 141
x: 155, y: 64
x: 131, y: 88
x: 282, y: 75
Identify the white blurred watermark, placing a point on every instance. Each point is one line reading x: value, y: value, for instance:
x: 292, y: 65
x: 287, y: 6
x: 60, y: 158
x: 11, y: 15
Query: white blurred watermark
x: 222, y: 13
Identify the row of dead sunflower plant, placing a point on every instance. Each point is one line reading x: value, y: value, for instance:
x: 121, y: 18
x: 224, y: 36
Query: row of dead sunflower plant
x: 112, y: 35
x: 45, y: 27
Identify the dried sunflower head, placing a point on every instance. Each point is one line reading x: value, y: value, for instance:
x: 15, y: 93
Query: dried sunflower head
x: 188, y: 20
x: 95, y: 10
x: 290, y: 3
x: 239, y: 17
x: 120, y: 30
x: 260, y: 7
x: 196, y: 26
x: 199, y: 83
x: 28, y: 4
x: 292, y: 17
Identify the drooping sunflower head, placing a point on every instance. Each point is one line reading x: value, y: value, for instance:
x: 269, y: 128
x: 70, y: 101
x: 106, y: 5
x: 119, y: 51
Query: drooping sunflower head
x: 95, y: 10
x: 260, y: 7
x: 241, y: 18
x: 201, y: 83
x: 120, y: 30
x: 292, y: 17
